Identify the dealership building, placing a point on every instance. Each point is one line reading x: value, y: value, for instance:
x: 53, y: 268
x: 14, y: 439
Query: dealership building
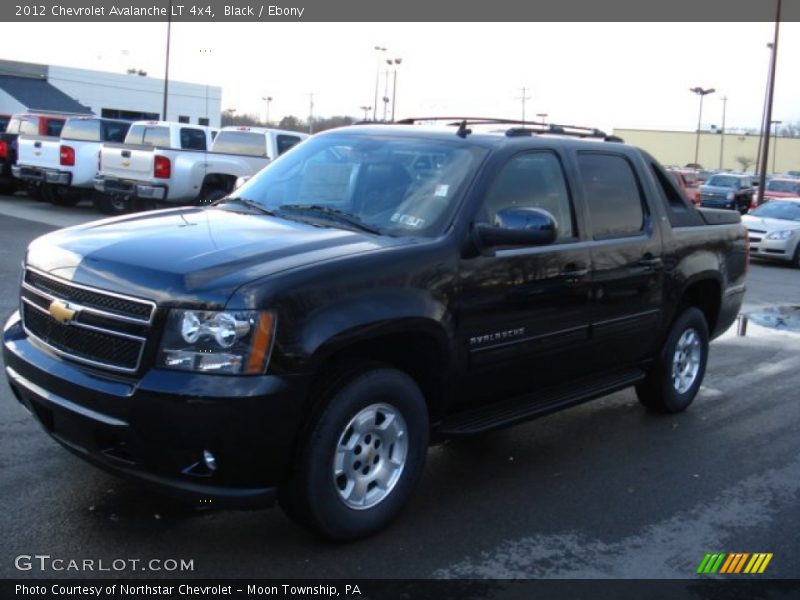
x: 715, y: 150
x: 31, y: 87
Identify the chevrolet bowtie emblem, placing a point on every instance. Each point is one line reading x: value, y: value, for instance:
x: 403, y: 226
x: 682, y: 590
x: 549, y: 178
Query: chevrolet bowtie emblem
x: 126, y: 163
x: 61, y: 311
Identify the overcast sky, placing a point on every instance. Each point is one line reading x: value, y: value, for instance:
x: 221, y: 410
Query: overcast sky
x: 631, y: 75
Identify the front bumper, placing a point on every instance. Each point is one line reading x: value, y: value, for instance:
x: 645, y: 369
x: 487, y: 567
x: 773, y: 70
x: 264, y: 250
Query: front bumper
x: 134, y: 189
x: 771, y: 249
x: 38, y: 175
x: 155, y: 429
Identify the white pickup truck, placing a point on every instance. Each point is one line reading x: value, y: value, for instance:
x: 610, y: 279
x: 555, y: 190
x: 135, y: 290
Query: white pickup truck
x: 64, y: 168
x: 151, y: 168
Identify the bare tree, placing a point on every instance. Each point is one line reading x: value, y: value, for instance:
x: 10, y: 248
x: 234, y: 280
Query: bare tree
x: 745, y: 162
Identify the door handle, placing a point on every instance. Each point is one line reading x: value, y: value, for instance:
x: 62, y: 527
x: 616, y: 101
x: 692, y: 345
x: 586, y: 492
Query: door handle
x: 574, y: 271
x: 650, y: 262
x: 37, y: 144
x: 126, y: 154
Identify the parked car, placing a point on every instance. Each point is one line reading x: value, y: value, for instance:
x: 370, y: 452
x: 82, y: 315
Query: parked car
x: 686, y: 181
x: 793, y: 174
x: 65, y: 167
x: 774, y: 230
x: 26, y: 124
x: 780, y: 187
x: 729, y: 191
x: 377, y: 288
x: 161, y: 169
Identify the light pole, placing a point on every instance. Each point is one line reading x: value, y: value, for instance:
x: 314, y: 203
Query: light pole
x: 378, y: 50
x: 768, y: 110
x: 763, y: 116
x: 268, y: 100
x: 311, y: 112
x: 524, y: 98
x: 774, y: 142
x: 394, y: 62
x: 166, y: 66
x: 700, y: 92
x: 543, y: 117
x: 366, y: 110
x: 722, y: 133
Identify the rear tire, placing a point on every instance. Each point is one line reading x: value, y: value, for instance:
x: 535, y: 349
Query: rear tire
x: 676, y: 376
x: 363, y: 457
x: 60, y: 197
x: 8, y: 189
x: 111, y: 204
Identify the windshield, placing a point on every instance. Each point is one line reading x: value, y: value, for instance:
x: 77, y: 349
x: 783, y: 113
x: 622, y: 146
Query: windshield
x: 790, y: 187
x: 396, y: 185
x: 778, y: 209
x: 724, y: 181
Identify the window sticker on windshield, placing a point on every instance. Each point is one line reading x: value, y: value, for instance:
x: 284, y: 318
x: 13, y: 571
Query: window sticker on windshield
x: 408, y: 220
x: 441, y: 190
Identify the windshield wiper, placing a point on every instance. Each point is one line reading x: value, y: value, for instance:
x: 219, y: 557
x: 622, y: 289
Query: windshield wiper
x: 252, y: 204
x: 332, y: 214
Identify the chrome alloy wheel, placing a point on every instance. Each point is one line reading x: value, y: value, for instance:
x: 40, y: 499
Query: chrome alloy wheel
x: 370, y: 456
x: 686, y: 361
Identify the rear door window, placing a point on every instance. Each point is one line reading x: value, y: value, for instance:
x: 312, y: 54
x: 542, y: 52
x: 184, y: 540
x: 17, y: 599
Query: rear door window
x: 115, y: 131
x: 53, y: 127
x: 193, y: 139
x: 613, y: 195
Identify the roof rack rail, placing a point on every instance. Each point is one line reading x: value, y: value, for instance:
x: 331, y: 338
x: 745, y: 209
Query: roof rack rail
x: 523, y: 127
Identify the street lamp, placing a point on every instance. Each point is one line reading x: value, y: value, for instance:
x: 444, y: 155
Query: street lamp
x: 774, y: 142
x: 366, y: 110
x: 700, y: 92
x: 378, y: 50
x: 393, y: 62
x: 268, y: 100
x: 722, y: 131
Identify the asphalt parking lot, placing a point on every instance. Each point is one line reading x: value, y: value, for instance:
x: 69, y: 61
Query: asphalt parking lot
x: 602, y: 490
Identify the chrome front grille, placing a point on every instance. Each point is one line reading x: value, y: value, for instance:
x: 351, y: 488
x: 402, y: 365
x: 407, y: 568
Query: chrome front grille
x: 84, y: 324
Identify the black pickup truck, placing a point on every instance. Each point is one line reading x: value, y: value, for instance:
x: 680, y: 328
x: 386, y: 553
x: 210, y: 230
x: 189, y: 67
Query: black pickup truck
x: 376, y: 289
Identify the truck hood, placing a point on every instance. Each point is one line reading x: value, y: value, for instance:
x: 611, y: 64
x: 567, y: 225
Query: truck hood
x: 190, y: 255
x: 715, y: 189
x: 768, y: 225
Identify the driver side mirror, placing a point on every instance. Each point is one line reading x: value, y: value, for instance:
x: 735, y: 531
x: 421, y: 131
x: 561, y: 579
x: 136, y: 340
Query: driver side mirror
x: 517, y: 226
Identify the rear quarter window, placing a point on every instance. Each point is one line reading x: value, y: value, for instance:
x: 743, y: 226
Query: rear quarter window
x: 285, y: 142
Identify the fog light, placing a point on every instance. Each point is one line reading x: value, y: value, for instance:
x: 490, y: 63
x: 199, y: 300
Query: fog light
x: 209, y: 460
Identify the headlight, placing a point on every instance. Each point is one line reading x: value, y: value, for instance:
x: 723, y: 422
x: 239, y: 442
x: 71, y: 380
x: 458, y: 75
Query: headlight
x: 234, y: 342
x: 780, y: 235
x: 730, y: 196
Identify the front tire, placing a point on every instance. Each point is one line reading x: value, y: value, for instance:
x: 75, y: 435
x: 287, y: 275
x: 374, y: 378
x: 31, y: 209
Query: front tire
x: 676, y: 376
x: 363, y: 457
